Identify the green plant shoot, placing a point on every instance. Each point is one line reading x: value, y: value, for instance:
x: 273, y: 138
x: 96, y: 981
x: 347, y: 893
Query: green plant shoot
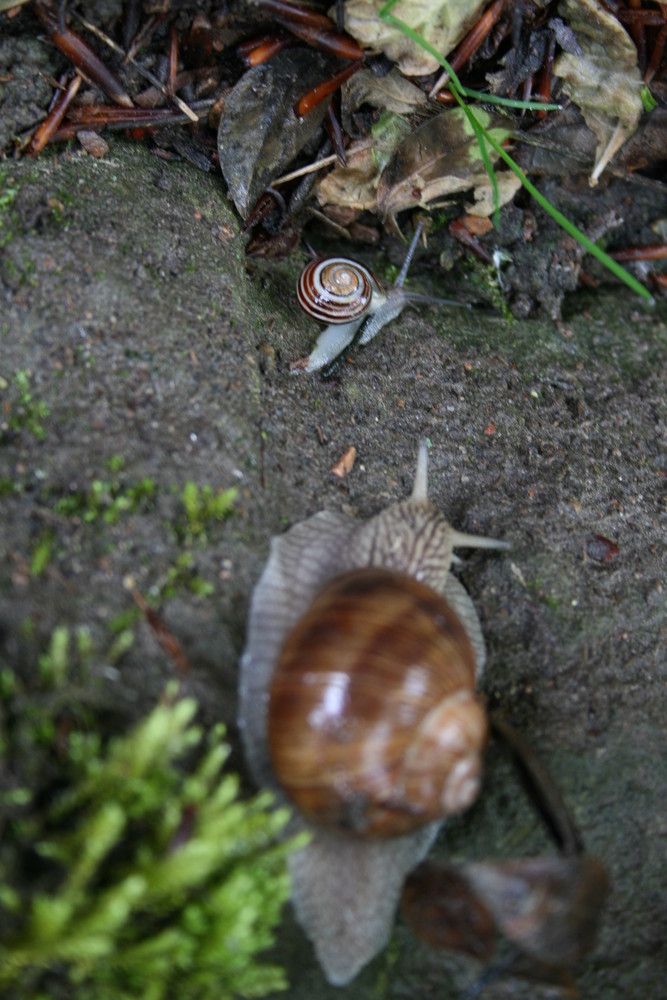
x: 156, y: 880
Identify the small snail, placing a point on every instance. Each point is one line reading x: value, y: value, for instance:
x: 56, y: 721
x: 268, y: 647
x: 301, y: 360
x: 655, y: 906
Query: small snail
x: 346, y: 295
x: 357, y: 705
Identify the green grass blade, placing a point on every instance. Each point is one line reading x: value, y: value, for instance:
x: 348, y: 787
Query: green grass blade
x: 509, y: 102
x: 570, y: 227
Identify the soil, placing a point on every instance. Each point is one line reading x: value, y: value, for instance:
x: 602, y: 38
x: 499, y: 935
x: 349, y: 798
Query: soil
x: 160, y: 351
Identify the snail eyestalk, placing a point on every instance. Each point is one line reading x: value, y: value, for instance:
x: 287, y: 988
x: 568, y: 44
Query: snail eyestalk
x: 420, y: 488
x: 460, y: 540
x: 403, y: 273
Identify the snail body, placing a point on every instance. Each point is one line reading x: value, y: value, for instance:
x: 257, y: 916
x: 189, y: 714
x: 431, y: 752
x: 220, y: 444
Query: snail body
x: 345, y: 294
x: 357, y: 705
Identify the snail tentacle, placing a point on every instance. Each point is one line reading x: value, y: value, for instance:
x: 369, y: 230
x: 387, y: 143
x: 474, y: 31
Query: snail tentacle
x: 390, y: 309
x: 403, y: 273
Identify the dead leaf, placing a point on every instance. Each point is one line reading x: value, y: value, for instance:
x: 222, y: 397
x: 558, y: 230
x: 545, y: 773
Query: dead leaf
x: 484, y: 199
x: 439, y: 158
x: 563, y: 145
x: 476, y: 225
x: 443, y: 23
x: 548, y: 907
x: 601, y: 549
x: 604, y: 81
x: 393, y: 92
x: 345, y: 463
x: 259, y: 133
x: 388, y: 133
x: 355, y: 186
x: 93, y: 143
x: 560, y: 145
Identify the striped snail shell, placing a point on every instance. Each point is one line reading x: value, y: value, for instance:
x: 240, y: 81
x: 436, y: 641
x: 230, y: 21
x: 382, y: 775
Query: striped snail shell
x: 333, y: 591
x: 336, y: 290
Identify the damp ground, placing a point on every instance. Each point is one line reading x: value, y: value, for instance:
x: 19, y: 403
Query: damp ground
x: 140, y: 352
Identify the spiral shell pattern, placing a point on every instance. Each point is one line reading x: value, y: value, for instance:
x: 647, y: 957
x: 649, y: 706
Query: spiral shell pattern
x: 373, y: 724
x: 335, y: 289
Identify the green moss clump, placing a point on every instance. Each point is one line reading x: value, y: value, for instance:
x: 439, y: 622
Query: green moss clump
x: 202, y: 505
x: 107, y: 500
x: 8, y: 192
x: 149, y: 877
x: 26, y: 412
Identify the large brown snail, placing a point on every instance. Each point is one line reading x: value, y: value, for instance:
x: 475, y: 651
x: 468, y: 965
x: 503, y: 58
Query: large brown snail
x: 357, y: 704
x: 345, y: 294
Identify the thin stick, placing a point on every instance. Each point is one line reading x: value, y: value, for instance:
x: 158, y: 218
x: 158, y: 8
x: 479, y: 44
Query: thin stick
x: 317, y: 165
x: 86, y: 62
x: 341, y: 230
x: 470, y: 43
x: 544, y: 793
x: 47, y: 129
x: 144, y: 72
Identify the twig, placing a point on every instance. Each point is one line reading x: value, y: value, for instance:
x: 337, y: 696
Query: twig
x: 317, y: 165
x: 181, y: 105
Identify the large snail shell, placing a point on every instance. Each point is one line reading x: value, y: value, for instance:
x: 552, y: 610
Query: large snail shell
x: 336, y: 289
x: 373, y: 723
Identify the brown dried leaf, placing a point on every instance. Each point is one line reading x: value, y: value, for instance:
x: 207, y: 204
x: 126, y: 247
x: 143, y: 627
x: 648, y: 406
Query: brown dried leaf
x: 441, y: 906
x: 476, y: 225
x: 484, y: 204
x: 604, y: 81
x: 563, y: 144
x: 550, y: 907
x: 259, y: 133
x: 353, y: 186
x: 443, y: 23
x: 560, y: 145
x: 93, y: 143
x: 393, y: 92
x: 439, y: 158
x: 601, y: 549
x: 345, y: 463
